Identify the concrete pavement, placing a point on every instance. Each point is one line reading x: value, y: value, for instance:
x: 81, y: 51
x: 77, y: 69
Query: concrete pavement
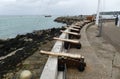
x: 105, y: 48
x: 112, y: 34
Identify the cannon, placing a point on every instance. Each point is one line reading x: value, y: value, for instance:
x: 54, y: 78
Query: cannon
x: 72, y: 35
x: 68, y: 43
x: 77, y: 27
x: 71, y: 28
x: 70, y: 60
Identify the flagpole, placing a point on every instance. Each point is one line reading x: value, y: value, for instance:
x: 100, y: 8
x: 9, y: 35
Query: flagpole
x: 98, y: 13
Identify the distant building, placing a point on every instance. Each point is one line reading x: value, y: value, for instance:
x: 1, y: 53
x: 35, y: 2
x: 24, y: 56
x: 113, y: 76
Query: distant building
x: 110, y: 13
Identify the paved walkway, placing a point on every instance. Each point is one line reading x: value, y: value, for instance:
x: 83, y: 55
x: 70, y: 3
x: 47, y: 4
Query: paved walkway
x: 105, y: 51
x: 103, y: 60
x: 112, y: 34
x: 95, y: 69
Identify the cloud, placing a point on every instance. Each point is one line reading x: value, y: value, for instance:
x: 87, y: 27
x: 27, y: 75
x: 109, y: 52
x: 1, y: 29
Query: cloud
x: 112, y: 5
x: 55, y: 7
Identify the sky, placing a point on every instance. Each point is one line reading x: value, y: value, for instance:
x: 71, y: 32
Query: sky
x: 55, y: 7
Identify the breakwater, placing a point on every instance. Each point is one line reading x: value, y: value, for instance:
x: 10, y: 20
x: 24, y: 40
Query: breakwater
x: 69, y: 19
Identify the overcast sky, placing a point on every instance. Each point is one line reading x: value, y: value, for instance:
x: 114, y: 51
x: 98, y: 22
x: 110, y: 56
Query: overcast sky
x: 55, y: 7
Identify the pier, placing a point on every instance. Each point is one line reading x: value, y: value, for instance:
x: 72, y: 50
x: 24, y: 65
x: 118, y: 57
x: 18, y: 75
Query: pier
x: 97, y: 66
x: 94, y: 68
x: 62, y: 39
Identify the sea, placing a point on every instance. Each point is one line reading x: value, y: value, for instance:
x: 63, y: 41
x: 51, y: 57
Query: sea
x: 12, y: 25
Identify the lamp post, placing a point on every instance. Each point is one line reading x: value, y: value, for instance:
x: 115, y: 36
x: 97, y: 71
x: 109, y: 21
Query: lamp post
x: 99, y: 20
x: 98, y: 13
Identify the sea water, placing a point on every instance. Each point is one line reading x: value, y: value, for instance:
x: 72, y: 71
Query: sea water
x: 11, y: 26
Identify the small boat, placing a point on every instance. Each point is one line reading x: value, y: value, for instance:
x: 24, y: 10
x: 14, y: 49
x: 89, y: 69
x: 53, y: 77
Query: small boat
x: 48, y: 16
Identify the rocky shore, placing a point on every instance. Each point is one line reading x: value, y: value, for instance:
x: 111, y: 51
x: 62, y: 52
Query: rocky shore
x: 69, y: 19
x: 14, y: 51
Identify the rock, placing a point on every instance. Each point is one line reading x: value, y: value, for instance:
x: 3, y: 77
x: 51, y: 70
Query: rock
x: 68, y: 20
x: 30, y: 42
